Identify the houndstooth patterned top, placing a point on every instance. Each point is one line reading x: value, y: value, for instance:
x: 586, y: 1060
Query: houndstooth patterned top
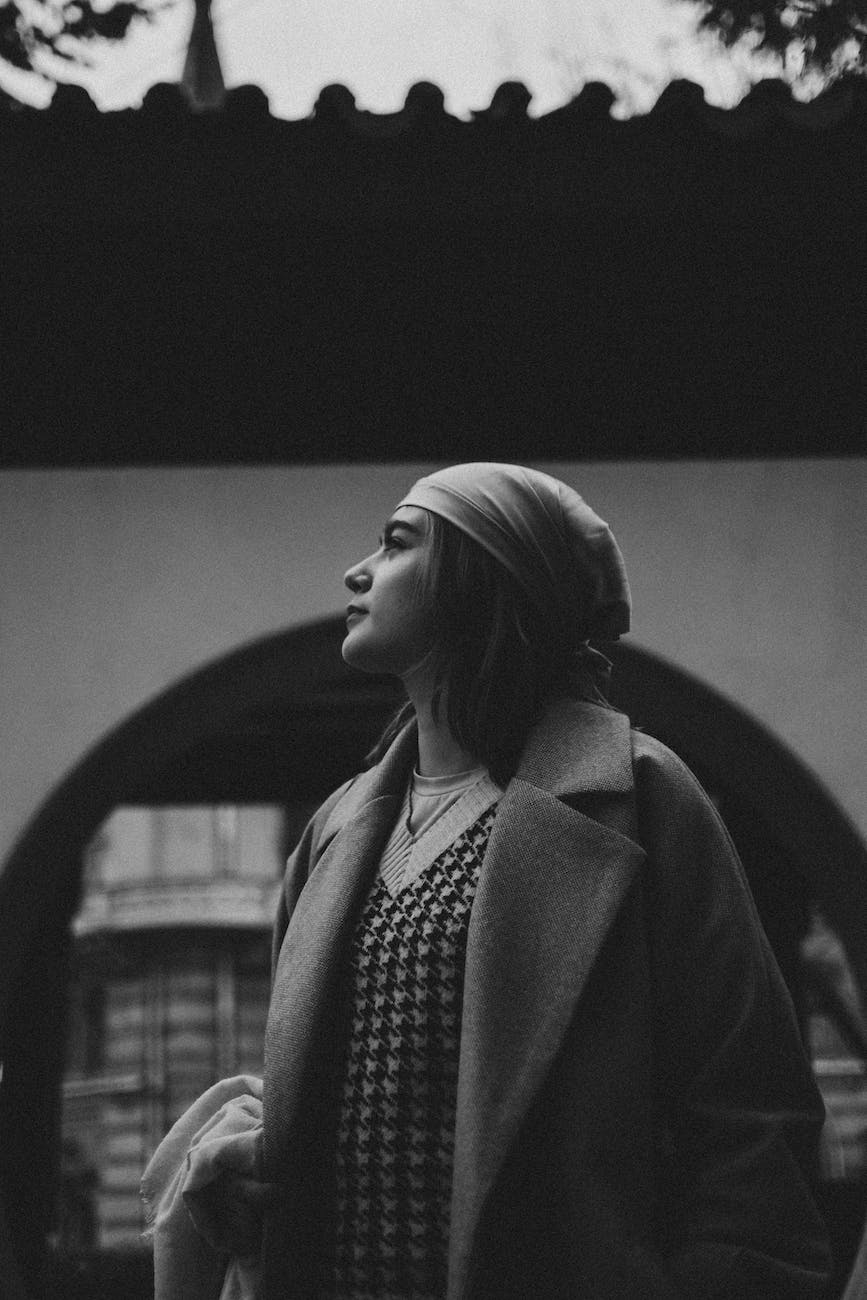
x: 396, y: 1111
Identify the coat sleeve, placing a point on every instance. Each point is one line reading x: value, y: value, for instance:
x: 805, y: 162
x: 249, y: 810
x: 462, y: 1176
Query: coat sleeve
x: 739, y: 1110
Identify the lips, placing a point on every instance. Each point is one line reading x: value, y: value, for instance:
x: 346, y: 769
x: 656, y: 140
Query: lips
x: 354, y: 612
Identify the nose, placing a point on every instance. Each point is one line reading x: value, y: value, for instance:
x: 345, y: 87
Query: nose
x: 357, y: 579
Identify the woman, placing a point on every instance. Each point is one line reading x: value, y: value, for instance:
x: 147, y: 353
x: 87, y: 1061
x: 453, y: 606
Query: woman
x: 526, y: 1035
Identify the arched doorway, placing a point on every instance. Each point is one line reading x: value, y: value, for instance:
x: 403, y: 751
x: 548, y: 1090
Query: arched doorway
x: 285, y: 714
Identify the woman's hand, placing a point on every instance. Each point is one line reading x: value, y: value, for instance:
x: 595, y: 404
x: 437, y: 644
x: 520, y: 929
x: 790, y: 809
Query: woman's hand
x: 228, y: 1213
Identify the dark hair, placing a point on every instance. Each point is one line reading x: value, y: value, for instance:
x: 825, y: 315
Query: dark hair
x: 497, y: 657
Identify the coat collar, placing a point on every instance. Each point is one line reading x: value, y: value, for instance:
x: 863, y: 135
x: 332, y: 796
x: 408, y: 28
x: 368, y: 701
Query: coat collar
x: 578, y: 748
x: 551, y: 884
x: 575, y: 748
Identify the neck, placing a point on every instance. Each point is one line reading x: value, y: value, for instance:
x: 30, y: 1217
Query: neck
x: 439, y: 754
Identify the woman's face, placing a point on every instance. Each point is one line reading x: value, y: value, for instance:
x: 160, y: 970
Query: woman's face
x: 387, y: 629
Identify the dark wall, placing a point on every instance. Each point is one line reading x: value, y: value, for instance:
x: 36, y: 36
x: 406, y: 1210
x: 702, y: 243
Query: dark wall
x: 229, y: 286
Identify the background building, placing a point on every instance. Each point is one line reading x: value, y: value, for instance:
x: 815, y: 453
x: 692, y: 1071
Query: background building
x: 168, y: 993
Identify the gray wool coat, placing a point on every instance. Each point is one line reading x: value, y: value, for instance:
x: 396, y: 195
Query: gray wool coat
x: 636, y: 1117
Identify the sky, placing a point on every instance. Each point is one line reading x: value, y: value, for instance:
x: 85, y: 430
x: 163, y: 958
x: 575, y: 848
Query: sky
x: 291, y: 48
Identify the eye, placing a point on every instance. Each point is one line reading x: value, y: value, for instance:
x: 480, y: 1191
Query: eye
x: 391, y: 542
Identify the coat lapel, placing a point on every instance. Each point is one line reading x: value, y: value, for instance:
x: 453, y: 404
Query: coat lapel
x: 298, y: 1040
x: 551, y: 884
x: 312, y: 949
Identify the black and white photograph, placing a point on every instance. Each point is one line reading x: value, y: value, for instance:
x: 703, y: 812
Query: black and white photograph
x: 433, y: 650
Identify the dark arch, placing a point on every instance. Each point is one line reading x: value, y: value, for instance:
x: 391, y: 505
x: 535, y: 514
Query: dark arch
x: 734, y: 753
x: 285, y: 714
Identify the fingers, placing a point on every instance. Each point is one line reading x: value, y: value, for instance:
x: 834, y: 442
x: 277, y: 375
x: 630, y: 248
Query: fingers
x: 229, y: 1212
x: 255, y: 1194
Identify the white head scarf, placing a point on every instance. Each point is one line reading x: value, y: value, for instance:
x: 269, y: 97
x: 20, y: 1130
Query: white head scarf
x: 563, y: 555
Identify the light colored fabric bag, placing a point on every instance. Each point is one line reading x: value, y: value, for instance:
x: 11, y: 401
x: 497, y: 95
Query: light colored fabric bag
x: 221, y: 1132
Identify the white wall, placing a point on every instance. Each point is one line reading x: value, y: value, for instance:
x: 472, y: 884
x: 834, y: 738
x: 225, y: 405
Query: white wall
x: 115, y: 583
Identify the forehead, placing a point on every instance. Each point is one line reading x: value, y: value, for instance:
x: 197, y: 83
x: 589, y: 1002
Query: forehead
x: 414, y: 516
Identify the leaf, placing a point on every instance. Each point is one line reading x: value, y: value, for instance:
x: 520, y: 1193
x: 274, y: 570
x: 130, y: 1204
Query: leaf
x: 57, y: 28
x: 830, y: 35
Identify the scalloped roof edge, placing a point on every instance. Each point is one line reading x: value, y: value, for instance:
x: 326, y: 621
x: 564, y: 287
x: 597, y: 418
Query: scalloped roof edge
x: 768, y: 102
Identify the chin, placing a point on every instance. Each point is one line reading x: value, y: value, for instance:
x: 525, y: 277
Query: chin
x: 346, y: 651
x: 356, y: 656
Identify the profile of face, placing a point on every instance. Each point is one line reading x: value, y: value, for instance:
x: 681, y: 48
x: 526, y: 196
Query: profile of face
x: 388, y: 630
